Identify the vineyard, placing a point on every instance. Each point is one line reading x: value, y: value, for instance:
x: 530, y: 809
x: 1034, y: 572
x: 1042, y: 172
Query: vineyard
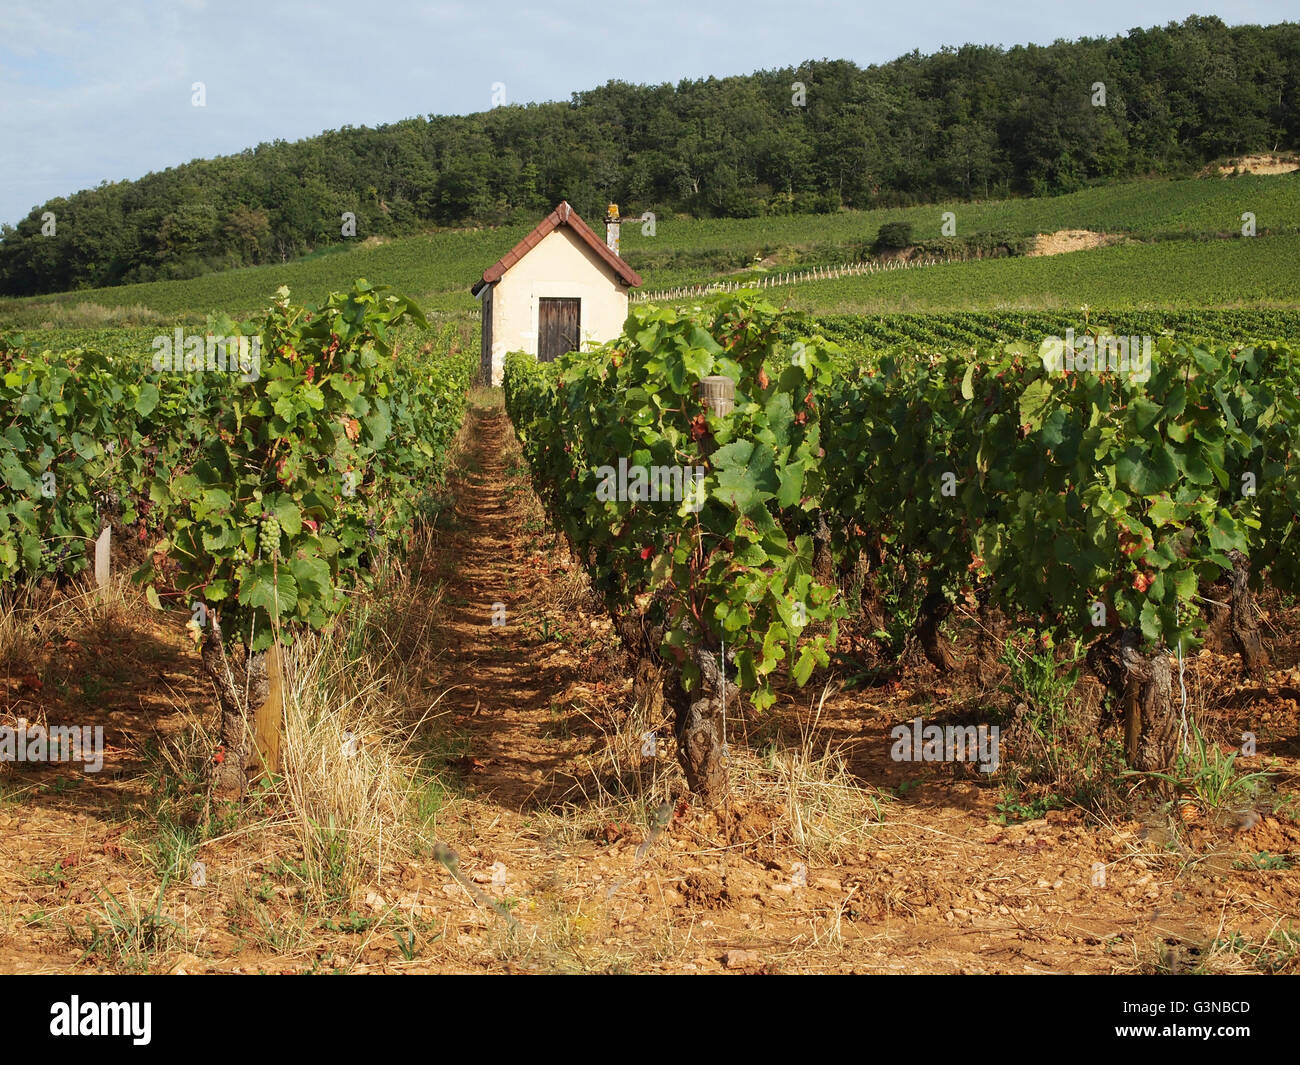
x: 972, y: 329
x: 491, y: 639
x: 424, y: 265
x: 937, y: 474
x: 865, y: 333
x: 1242, y: 273
x: 1143, y: 210
x: 92, y: 436
x: 403, y: 679
x: 461, y: 519
x: 260, y: 491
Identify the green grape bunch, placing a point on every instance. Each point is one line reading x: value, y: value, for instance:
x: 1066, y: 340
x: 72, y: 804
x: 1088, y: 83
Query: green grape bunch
x: 268, y: 536
x: 1189, y: 614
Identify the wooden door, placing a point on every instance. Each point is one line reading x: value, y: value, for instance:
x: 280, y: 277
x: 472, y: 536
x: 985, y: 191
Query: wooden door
x: 559, y: 327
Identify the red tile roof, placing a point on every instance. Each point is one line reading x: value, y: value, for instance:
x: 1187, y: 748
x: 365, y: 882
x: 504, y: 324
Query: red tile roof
x: 564, y: 215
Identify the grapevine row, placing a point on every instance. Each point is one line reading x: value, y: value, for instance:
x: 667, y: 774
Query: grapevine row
x: 1095, y: 503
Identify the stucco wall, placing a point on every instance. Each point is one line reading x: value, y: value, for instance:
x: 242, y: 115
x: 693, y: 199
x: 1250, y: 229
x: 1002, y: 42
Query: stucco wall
x: 562, y: 265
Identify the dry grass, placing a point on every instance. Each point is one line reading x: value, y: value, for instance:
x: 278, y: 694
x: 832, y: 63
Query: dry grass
x: 825, y: 811
x: 358, y: 793
x: 94, y: 612
x: 354, y: 793
x: 799, y: 796
x: 1227, y: 953
x: 17, y: 633
x: 78, y: 609
x: 36, y: 612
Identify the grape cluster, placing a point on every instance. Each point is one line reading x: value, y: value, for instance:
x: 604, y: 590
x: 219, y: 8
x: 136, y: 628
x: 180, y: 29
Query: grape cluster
x: 58, y: 554
x: 268, y: 536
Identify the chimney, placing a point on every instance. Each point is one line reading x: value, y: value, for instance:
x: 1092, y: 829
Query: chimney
x: 611, y: 228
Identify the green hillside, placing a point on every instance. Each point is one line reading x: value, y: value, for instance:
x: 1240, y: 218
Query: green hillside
x: 1263, y: 272
x: 438, y: 269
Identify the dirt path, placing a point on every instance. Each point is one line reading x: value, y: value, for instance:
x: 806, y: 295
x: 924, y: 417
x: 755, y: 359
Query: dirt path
x: 505, y: 636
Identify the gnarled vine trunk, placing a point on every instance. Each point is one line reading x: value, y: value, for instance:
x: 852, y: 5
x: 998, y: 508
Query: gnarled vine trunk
x: 1241, y: 617
x: 866, y: 567
x: 823, y: 559
x: 697, y: 716
x: 241, y: 684
x: 988, y: 634
x: 1143, y: 688
x: 935, y: 609
x: 698, y: 726
x: 1215, y: 611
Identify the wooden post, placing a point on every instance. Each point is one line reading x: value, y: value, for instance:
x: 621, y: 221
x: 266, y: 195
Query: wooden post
x: 268, y: 719
x: 719, y: 394
x: 102, y: 556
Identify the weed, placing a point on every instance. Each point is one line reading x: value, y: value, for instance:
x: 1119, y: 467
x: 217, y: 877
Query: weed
x: 130, y: 935
x: 1279, y: 952
x: 1016, y: 806
x: 353, y: 923
x: 1205, y: 771
x: 1264, y: 860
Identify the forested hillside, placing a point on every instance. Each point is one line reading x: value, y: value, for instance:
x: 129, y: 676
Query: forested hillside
x: 973, y: 122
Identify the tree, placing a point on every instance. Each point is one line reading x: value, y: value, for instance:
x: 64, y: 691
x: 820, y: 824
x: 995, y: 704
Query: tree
x: 893, y: 236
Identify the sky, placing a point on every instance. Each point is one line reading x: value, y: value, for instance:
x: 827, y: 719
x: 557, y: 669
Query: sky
x: 94, y: 91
